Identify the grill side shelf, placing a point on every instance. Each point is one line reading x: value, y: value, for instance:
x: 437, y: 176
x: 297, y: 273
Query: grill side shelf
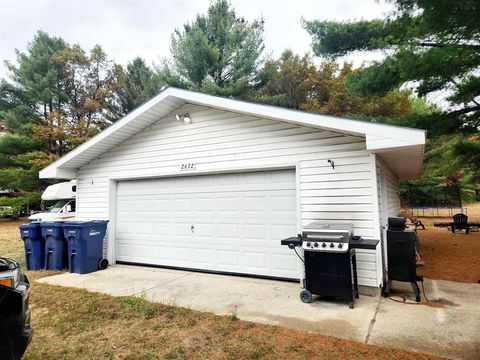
x: 292, y: 241
x: 364, y: 244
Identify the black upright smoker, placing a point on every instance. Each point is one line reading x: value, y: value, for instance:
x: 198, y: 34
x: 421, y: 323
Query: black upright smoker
x: 401, y: 255
x: 330, y: 266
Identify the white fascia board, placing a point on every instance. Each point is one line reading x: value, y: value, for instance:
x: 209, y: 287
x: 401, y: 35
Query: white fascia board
x: 57, y: 173
x: 379, y: 143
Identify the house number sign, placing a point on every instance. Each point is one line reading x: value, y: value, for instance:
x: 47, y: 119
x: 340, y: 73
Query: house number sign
x: 188, y: 166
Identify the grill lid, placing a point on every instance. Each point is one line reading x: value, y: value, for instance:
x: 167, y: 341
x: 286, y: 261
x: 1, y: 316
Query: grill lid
x: 325, y: 231
x: 325, y: 237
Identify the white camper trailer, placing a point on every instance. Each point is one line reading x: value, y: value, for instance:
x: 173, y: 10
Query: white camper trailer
x: 63, y: 195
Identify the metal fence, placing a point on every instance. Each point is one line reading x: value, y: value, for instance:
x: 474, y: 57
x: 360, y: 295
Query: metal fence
x: 435, y: 211
x: 431, y: 200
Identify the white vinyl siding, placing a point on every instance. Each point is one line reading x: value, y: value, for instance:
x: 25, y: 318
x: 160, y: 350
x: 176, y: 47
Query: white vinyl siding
x: 391, y: 191
x: 222, y: 141
x: 388, y: 200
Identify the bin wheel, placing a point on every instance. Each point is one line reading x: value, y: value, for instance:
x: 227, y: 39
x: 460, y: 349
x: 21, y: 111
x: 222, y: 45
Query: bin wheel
x: 306, y: 296
x: 103, y: 264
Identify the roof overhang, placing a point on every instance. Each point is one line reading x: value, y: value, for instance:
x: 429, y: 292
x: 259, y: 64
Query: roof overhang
x: 401, y: 148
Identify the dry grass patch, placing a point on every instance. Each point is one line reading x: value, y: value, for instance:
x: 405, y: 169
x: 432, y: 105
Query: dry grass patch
x: 11, y: 245
x: 73, y: 323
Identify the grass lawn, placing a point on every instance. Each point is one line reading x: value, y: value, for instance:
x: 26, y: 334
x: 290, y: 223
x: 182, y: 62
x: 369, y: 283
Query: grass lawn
x: 76, y: 324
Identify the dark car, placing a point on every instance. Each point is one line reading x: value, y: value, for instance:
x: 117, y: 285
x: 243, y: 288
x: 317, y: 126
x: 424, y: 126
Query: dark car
x: 15, y: 329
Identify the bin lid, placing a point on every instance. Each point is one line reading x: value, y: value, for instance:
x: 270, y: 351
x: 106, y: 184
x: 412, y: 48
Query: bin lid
x: 55, y: 223
x: 84, y: 223
x: 29, y: 226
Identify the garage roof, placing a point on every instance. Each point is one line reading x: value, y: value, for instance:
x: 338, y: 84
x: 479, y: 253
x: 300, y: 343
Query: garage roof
x: 400, y: 147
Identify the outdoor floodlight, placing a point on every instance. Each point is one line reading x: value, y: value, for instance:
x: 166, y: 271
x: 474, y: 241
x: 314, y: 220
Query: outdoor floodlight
x: 186, y: 118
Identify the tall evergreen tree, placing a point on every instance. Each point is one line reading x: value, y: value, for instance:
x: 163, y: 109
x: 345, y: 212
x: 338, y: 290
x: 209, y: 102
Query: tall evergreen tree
x: 58, y: 96
x: 434, y: 43
x: 26, y: 102
x: 217, y: 53
x: 138, y: 84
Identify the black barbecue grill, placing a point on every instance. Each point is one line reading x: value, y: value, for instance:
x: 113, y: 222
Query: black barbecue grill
x: 330, y: 265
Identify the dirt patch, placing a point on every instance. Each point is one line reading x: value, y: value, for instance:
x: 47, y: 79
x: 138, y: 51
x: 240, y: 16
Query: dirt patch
x: 449, y: 256
x: 433, y: 304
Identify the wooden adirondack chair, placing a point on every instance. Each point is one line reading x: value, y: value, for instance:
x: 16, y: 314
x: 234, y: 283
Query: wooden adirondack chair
x: 460, y: 222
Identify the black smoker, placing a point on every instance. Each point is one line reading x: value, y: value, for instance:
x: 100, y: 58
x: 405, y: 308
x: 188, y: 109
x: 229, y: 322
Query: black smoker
x: 401, y: 255
x: 330, y: 266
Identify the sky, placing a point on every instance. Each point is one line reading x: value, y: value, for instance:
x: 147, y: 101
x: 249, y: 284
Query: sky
x: 130, y: 28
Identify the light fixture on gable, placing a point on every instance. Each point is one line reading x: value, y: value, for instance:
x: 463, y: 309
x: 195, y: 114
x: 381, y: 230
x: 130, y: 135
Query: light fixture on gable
x: 186, y: 118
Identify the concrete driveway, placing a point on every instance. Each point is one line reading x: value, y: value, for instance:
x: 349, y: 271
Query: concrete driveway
x: 448, y: 326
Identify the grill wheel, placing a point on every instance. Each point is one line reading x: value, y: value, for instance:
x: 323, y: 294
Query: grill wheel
x: 306, y: 296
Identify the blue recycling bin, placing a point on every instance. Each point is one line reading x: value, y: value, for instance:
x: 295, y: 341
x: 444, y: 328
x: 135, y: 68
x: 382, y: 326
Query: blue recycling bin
x: 85, y: 245
x: 55, y: 245
x: 34, y: 243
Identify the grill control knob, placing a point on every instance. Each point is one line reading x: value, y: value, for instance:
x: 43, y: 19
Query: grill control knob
x: 332, y: 245
x: 324, y: 245
x: 316, y: 244
x: 308, y: 244
x: 340, y: 245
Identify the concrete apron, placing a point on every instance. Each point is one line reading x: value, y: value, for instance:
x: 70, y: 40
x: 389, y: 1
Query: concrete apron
x: 451, y: 328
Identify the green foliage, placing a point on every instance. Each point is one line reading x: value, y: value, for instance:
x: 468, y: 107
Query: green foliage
x: 433, y: 43
x: 287, y: 80
x: 21, y: 202
x: 217, y: 53
x: 15, y: 144
x: 295, y: 82
x: 449, y: 165
x: 19, y: 178
x: 16, y: 169
x: 331, y: 95
x: 89, y: 83
x: 466, y: 151
x: 332, y: 38
x: 37, y: 80
x: 58, y: 97
x: 138, y: 84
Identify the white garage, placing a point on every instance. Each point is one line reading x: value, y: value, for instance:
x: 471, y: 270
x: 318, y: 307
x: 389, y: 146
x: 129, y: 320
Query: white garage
x: 200, y: 182
x: 222, y: 222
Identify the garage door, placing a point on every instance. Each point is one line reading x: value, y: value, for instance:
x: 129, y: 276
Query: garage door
x: 223, y: 222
